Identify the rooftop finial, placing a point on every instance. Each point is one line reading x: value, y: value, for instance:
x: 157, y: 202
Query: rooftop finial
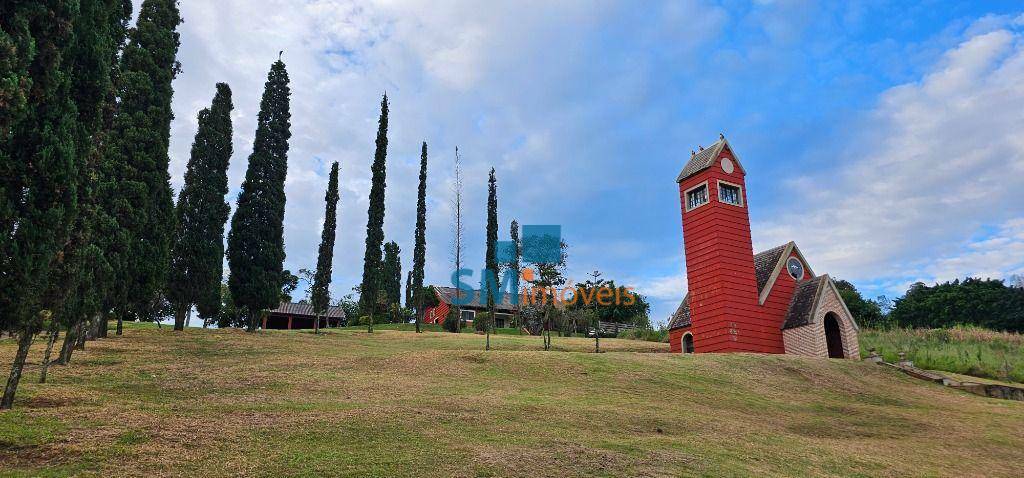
x: 701, y: 147
x: 721, y: 136
x: 692, y: 153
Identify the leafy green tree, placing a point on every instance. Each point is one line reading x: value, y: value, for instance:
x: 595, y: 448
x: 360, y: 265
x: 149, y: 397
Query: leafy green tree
x: 611, y: 303
x: 490, y: 288
x: 256, y: 240
x: 866, y: 313
x: 321, y: 296
x: 419, y: 252
x: 546, y: 276
x: 370, y: 285
x: 392, y: 270
x: 139, y: 140
x: 39, y: 163
x: 197, y: 262
x: 986, y: 303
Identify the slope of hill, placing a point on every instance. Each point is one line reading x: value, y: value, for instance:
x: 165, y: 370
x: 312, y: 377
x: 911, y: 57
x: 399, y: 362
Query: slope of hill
x: 226, y: 403
x: 971, y: 351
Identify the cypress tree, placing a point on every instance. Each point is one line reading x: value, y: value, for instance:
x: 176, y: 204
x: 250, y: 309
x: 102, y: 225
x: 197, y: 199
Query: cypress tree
x: 370, y: 286
x: 256, y: 240
x: 141, y: 135
x: 491, y: 258
x: 197, y: 260
x: 321, y: 296
x: 39, y: 163
x: 419, y: 252
x: 514, y: 264
x: 79, y: 290
x: 392, y: 270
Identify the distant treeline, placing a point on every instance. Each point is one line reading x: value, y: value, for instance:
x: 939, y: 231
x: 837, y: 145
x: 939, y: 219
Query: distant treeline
x: 989, y: 303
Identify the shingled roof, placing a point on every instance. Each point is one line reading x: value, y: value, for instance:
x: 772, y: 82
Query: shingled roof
x: 705, y: 158
x: 681, y: 317
x: 446, y: 294
x: 303, y: 308
x: 801, y: 306
x: 764, y: 264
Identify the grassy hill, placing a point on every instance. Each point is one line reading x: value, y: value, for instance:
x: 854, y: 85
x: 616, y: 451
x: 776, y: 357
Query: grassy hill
x: 395, y: 403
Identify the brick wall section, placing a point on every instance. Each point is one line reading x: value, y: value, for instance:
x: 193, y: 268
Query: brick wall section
x: 809, y: 340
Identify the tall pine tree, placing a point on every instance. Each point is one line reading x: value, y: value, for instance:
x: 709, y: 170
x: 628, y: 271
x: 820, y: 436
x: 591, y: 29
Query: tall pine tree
x: 514, y: 265
x: 197, y: 259
x: 39, y: 163
x: 256, y: 240
x: 370, y: 286
x: 321, y: 296
x: 392, y: 270
x: 491, y: 258
x: 419, y: 252
x: 79, y: 291
x: 141, y: 135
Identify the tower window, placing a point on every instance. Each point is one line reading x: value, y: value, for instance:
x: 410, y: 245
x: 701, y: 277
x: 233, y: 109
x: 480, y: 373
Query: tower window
x: 730, y: 194
x: 697, y: 196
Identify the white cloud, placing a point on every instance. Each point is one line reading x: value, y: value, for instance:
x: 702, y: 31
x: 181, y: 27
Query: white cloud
x: 934, y: 163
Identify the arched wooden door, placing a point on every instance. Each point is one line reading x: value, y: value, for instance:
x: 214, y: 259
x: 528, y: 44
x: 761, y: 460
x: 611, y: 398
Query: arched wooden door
x: 833, y: 336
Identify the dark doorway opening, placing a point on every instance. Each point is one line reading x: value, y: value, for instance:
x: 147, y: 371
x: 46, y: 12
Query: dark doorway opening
x: 833, y: 336
x: 687, y: 343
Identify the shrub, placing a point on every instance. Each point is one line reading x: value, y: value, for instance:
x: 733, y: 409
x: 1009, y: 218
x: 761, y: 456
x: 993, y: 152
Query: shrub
x: 650, y: 335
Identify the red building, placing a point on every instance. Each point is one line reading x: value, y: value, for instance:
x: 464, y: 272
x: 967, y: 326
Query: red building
x: 771, y: 302
x: 503, y: 311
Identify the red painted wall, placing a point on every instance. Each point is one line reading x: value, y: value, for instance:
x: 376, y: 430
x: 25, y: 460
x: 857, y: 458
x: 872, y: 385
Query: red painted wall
x: 725, y: 313
x: 675, y: 339
x: 437, y: 314
x: 776, y: 305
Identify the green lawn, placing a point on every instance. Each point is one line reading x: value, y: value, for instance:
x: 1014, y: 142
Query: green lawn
x: 969, y: 351
x: 395, y: 403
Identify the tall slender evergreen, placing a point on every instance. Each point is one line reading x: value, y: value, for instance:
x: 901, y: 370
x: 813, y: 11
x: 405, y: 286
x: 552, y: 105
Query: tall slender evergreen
x: 81, y: 289
x: 256, y: 240
x: 491, y: 258
x: 197, y: 258
x: 392, y: 273
x: 39, y: 163
x: 321, y: 296
x: 515, y: 263
x: 141, y: 135
x: 370, y: 285
x: 419, y: 251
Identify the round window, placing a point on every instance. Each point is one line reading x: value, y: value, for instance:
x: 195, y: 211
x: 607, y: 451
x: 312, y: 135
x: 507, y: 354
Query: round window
x: 727, y: 166
x: 795, y: 268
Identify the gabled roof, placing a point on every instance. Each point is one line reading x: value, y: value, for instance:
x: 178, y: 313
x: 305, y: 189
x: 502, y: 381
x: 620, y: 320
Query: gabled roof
x: 806, y: 298
x: 681, y: 317
x: 705, y: 158
x: 802, y: 305
x: 772, y: 264
x: 303, y: 308
x: 767, y: 265
x: 447, y: 294
x: 765, y: 262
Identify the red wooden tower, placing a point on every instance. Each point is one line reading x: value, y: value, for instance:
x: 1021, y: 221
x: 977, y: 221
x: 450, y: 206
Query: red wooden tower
x: 770, y: 302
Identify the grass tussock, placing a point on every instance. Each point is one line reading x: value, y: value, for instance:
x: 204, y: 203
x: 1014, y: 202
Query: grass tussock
x: 964, y: 350
x: 347, y: 403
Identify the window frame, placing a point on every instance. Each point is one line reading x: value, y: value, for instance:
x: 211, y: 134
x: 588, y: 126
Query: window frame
x: 739, y: 195
x: 803, y: 268
x: 707, y: 196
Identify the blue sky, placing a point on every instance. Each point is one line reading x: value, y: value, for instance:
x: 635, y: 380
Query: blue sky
x: 885, y: 138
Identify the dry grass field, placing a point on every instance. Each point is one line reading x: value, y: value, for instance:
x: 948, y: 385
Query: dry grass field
x: 225, y: 403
